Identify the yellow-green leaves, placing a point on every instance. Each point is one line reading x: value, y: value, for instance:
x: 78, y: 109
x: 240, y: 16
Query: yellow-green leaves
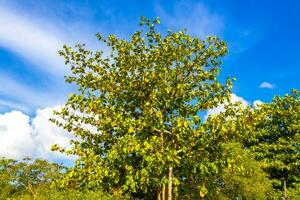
x: 270, y: 133
x: 141, y: 104
x: 203, y: 191
x: 130, y: 130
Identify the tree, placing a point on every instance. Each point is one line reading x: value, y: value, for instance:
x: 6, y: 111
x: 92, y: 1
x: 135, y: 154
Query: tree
x: 135, y: 114
x: 272, y: 133
x: 33, y: 179
x: 17, y: 177
x: 244, y: 177
x: 6, y: 189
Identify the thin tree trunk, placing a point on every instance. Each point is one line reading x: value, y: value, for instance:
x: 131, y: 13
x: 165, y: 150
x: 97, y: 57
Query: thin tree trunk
x: 163, y: 192
x: 284, y: 190
x: 159, y: 195
x: 170, y: 183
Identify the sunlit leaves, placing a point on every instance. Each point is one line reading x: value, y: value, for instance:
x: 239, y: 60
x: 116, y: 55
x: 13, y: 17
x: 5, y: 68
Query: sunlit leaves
x: 142, y: 102
x: 271, y: 132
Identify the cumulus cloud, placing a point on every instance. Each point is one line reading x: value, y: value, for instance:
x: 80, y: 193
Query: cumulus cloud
x: 22, y: 136
x: 234, y: 99
x: 16, y: 140
x: 221, y: 107
x: 256, y: 103
x: 45, y: 134
x: 196, y: 17
x: 267, y: 85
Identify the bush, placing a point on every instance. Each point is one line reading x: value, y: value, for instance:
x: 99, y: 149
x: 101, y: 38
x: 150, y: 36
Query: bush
x: 55, y: 194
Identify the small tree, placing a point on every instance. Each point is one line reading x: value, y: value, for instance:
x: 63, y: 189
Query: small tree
x: 136, y: 114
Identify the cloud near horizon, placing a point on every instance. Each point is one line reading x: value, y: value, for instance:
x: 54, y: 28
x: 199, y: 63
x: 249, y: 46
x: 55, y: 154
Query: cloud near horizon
x: 221, y: 107
x: 234, y: 99
x: 22, y: 136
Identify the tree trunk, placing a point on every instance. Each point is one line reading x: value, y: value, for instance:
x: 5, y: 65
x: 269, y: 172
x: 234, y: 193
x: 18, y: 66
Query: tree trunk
x: 284, y: 190
x: 170, y: 183
x: 163, y: 195
x: 163, y: 192
x: 159, y: 195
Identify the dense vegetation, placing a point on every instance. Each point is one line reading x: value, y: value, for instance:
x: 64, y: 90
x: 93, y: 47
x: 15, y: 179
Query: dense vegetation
x: 139, y: 135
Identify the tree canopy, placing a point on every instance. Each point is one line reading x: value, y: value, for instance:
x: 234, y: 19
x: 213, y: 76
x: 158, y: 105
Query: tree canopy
x: 136, y: 113
x: 273, y: 136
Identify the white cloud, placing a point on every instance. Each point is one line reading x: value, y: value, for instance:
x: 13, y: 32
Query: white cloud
x: 15, y: 135
x: 234, y: 99
x: 20, y: 136
x: 45, y: 134
x: 267, y: 85
x: 197, y: 18
x: 220, y: 108
x: 38, y: 43
x: 37, y: 39
x: 256, y: 103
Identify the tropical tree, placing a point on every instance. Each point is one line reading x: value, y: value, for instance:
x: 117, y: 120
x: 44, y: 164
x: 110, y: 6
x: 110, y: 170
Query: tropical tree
x: 136, y: 114
x: 271, y: 133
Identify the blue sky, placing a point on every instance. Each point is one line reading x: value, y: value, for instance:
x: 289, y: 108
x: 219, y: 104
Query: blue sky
x: 262, y: 35
x: 262, y: 38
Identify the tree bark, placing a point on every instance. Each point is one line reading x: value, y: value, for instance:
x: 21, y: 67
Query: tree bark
x: 159, y: 195
x: 163, y: 192
x: 170, y: 183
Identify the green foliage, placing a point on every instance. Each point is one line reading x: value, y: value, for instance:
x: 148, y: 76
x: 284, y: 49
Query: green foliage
x: 137, y: 126
x: 24, y: 176
x: 276, y: 138
x: 6, y: 188
x: 135, y: 114
x: 54, y: 194
x: 271, y: 133
x: 32, y: 179
x: 244, y: 177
